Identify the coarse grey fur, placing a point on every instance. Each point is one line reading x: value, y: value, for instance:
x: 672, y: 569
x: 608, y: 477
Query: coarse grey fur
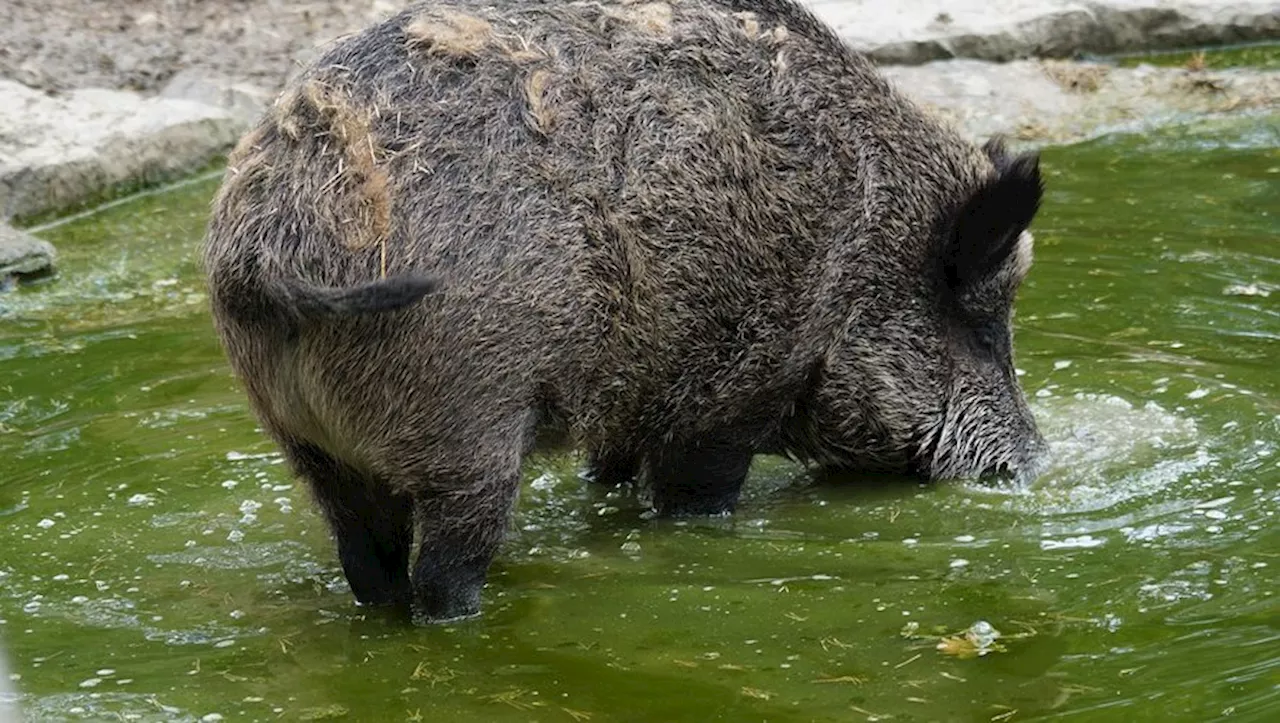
x: 673, y: 234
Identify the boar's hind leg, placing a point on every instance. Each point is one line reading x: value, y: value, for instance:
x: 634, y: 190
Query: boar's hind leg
x: 460, y: 532
x: 374, y: 528
x: 698, y: 479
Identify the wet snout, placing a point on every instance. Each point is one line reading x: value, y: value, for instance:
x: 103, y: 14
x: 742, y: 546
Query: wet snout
x: 1024, y: 465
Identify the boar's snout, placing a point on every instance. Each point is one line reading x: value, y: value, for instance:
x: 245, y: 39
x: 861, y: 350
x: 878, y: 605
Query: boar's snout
x: 1025, y: 466
x: 988, y: 443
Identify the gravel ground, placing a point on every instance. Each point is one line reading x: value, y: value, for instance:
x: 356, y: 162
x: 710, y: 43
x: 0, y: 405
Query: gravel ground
x: 140, y: 45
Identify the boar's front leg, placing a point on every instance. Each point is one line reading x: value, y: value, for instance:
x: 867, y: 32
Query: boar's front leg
x: 698, y: 478
x: 373, y: 527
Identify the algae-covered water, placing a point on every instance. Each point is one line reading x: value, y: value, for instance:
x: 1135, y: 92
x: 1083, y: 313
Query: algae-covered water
x: 1262, y: 56
x: 158, y: 563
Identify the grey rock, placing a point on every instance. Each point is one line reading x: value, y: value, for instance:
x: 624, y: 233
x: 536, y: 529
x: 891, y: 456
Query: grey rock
x: 243, y: 100
x: 920, y: 31
x: 60, y: 150
x: 22, y: 254
x: 1048, y: 102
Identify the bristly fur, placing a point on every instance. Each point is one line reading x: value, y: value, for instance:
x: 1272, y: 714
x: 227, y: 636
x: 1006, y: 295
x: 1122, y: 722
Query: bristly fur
x: 677, y: 234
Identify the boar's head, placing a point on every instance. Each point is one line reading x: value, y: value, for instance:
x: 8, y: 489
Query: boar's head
x: 927, y: 370
x: 986, y: 427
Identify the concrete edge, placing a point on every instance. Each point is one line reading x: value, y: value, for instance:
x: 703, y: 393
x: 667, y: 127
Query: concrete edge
x: 118, y: 167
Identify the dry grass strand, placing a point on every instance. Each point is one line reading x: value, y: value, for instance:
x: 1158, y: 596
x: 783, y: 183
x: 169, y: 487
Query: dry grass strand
x: 653, y: 18
x: 366, y: 218
x: 540, y: 117
x: 750, y: 24
x: 1076, y: 77
x: 285, y: 111
x: 450, y: 33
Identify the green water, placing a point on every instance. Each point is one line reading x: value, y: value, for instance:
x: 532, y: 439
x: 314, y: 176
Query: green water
x: 1259, y: 56
x: 157, y: 562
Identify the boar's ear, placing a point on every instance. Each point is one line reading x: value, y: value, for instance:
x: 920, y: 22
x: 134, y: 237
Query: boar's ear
x: 984, y: 230
x: 998, y: 151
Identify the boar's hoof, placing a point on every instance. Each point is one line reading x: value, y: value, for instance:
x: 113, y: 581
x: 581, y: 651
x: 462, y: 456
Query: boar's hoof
x: 388, y: 600
x: 447, y: 594
x: 461, y: 605
x: 699, y: 480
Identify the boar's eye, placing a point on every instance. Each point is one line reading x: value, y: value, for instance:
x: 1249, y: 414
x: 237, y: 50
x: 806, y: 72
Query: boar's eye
x: 992, y: 337
x: 987, y: 336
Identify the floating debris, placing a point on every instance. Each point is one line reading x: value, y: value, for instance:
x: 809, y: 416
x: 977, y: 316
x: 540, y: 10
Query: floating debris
x: 851, y: 679
x: 544, y: 482
x: 323, y: 712
x: 432, y: 676
x: 513, y: 698
x: 977, y: 641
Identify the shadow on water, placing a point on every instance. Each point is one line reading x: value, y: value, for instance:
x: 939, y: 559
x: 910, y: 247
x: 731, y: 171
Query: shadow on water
x: 159, y: 564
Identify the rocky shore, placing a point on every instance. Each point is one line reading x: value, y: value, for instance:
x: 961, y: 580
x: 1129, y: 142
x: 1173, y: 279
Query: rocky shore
x: 98, y: 98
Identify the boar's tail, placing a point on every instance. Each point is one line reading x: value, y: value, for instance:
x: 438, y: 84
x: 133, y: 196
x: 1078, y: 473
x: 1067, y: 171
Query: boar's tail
x: 241, y: 292
x: 389, y: 294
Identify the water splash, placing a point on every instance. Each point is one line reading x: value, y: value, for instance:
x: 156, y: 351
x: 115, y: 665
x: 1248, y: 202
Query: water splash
x: 1106, y: 451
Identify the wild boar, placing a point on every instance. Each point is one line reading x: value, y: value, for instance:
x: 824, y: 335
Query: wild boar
x: 672, y: 234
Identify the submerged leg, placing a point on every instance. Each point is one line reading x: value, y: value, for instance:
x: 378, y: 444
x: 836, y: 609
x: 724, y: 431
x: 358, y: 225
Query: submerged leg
x: 373, y: 527
x: 698, y: 479
x: 611, y: 468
